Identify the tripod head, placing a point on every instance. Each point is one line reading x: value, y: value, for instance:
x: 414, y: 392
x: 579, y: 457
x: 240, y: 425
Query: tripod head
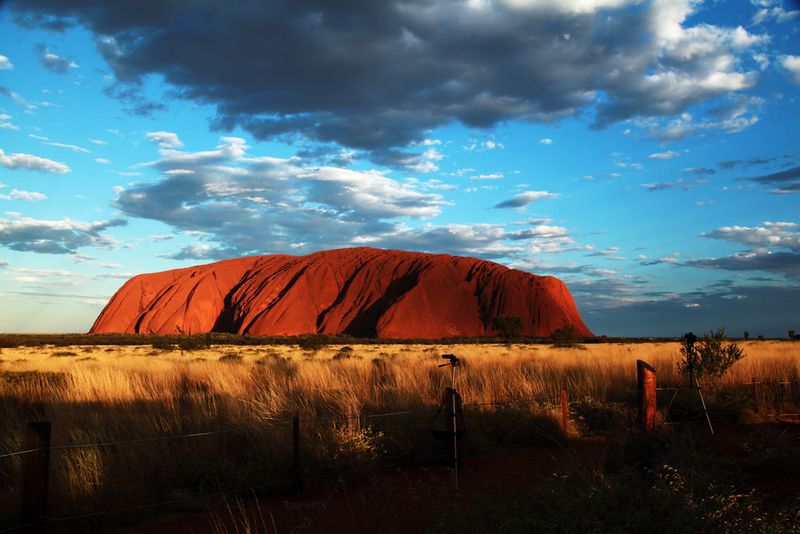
x: 453, y: 360
x: 690, y: 339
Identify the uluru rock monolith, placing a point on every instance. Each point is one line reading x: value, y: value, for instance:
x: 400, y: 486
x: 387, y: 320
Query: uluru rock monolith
x: 363, y: 292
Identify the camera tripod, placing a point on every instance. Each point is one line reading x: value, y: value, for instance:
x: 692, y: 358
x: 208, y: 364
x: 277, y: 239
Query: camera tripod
x: 691, y: 361
x: 451, y: 405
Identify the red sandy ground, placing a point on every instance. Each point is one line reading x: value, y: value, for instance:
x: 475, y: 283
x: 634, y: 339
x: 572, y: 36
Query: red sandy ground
x: 408, y: 500
x: 413, y: 499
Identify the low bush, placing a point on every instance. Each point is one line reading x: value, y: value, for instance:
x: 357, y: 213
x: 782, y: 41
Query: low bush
x: 709, y: 356
x: 231, y: 357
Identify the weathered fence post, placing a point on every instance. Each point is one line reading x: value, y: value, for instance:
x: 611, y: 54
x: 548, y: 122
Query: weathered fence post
x: 296, y: 454
x: 755, y: 393
x: 564, y: 410
x: 646, y: 377
x: 35, y: 472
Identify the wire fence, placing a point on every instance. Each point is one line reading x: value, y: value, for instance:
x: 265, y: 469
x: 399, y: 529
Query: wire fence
x: 284, y: 483
x: 360, y: 416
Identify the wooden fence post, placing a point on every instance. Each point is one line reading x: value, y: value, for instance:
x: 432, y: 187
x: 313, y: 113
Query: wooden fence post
x: 646, y: 377
x: 564, y: 411
x: 35, y: 473
x: 296, y: 454
x: 755, y: 393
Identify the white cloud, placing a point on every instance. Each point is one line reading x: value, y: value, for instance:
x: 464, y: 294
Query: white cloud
x: 28, y: 196
x: 236, y: 198
x: 102, y: 161
x: 17, y: 98
x: 5, y: 124
x: 54, y: 236
x: 562, y: 6
x: 545, y: 141
x: 74, y: 148
x: 792, y: 65
x: 480, y: 146
x: 164, y: 139
x: 54, y: 62
x: 762, y: 60
x: 235, y: 203
x: 488, y: 176
x: 669, y: 154
x: 767, y: 235
x: 5, y: 63
x: 157, y: 238
x: 425, y: 162
x: 626, y: 165
x: 775, y: 13
x: 30, y: 162
x: 98, y: 142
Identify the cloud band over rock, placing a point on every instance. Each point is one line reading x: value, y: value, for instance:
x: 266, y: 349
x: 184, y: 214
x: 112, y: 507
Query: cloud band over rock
x: 244, y: 204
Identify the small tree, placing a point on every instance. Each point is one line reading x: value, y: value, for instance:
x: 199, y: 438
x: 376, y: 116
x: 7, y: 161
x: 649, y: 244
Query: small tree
x: 313, y: 342
x: 708, y: 356
x: 508, y: 326
x: 746, y: 335
x: 791, y: 334
x: 566, y: 336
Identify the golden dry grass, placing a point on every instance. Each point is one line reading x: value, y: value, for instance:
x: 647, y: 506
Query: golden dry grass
x: 108, y: 394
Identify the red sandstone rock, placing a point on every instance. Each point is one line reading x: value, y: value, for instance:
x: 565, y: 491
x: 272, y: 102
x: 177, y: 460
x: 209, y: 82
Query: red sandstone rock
x: 363, y: 292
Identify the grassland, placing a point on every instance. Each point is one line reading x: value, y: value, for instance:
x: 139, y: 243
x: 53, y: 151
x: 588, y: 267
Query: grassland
x: 122, y: 393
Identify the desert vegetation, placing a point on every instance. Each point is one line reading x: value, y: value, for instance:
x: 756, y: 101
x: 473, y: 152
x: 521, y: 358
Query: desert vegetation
x: 117, y: 397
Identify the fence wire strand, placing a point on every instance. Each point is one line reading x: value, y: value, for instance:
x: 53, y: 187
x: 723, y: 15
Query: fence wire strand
x: 18, y: 453
x: 142, y: 440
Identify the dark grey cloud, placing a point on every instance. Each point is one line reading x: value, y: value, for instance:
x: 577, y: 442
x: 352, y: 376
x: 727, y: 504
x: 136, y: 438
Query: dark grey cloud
x: 785, y: 263
x: 376, y: 76
x: 787, y: 181
x: 774, y: 247
x: 521, y: 200
x: 668, y: 260
x: 607, y: 252
x: 759, y: 309
x: 699, y: 171
x: 750, y: 162
x: 54, y: 237
x: 681, y: 184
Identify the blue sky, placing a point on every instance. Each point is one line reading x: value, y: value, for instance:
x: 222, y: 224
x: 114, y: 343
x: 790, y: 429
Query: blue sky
x: 644, y: 152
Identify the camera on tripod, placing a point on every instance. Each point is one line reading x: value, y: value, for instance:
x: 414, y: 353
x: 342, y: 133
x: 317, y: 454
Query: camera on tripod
x: 453, y: 360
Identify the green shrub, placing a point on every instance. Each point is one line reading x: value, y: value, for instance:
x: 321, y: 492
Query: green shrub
x: 63, y: 354
x: 710, y: 356
x: 343, y: 353
x: 196, y: 342
x: 313, y: 342
x: 162, y: 343
x: 231, y: 357
x: 565, y: 337
x: 508, y: 327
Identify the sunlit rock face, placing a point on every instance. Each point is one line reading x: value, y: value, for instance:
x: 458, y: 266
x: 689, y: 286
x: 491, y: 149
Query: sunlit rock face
x: 363, y: 292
